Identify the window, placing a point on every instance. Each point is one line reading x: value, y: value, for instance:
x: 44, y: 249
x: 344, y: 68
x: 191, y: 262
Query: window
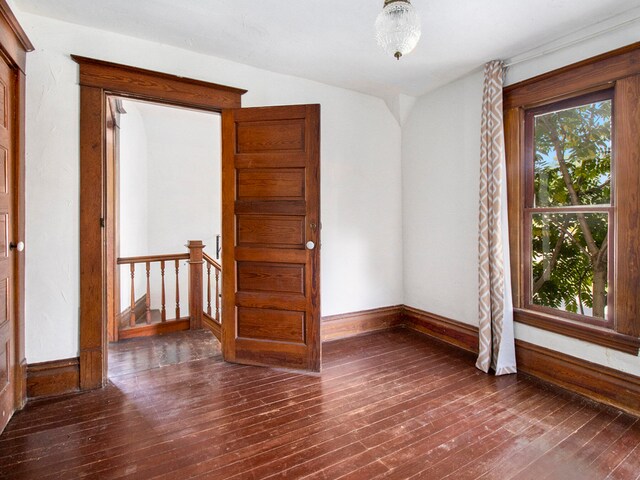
x: 568, y: 209
x: 572, y: 141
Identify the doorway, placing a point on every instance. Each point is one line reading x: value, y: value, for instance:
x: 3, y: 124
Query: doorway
x: 167, y: 172
x: 270, y: 220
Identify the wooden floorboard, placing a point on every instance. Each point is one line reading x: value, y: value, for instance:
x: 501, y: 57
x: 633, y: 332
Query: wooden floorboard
x: 144, y: 353
x: 387, y: 405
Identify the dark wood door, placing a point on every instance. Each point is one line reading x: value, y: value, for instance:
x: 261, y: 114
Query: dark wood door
x: 7, y: 321
x: 271, y: 236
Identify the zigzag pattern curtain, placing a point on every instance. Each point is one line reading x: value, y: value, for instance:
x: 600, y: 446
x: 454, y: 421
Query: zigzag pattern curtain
x: 495, y: 304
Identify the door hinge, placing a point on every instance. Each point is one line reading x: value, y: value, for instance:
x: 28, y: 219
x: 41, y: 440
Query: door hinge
x: 102, y: 222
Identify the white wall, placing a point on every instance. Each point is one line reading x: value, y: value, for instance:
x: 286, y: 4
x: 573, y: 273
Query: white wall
x: 134, y: 237
x: 361, y: 185
x: 440, y: 172
x: 440, y: 152
x: 133, y: 230
x: 184, y: 180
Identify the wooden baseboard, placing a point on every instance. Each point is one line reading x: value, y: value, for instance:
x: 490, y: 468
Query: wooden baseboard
x: 56, y: 377
x: 596, y: 382
x: 211, y: 324
x: 155, y: 329
x: 345, y: 325
x: 456, y: 333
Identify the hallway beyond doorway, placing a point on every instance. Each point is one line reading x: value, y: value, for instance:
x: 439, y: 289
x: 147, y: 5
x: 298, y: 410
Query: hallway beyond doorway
x: 146, y: 353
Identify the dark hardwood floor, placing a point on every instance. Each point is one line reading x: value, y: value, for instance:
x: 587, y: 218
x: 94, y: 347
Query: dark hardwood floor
x: 387, y: 405
x: 144, y: 353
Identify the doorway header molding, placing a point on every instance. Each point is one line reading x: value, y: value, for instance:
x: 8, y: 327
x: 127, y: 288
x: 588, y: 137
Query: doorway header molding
x: 128, y: 81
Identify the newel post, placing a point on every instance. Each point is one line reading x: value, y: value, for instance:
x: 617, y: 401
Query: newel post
x: 195, y: 282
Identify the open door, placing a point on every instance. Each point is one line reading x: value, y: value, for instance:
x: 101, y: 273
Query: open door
x: 271, y: 236
x: 7, y: 319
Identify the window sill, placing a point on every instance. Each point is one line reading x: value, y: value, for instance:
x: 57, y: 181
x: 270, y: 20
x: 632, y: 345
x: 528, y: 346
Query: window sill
x: 589, y: 333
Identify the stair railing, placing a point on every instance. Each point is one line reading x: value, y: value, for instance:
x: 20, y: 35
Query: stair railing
x: 212, y: 310
x: 196, y: 259
x: 171, y: 260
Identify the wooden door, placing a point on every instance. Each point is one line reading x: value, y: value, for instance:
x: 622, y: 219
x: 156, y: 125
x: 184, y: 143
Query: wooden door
x: 271, y: 236
x: 7, y: 320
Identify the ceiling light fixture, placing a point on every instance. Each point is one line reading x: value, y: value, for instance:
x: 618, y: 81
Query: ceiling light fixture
x: 398, y: 27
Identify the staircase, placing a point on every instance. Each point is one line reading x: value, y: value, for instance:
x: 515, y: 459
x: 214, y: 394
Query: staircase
x: 150, y: 314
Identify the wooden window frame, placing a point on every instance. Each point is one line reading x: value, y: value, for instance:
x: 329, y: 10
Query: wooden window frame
x: 617, y: 71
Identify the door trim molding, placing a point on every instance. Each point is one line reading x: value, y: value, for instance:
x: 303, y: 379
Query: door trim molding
x: 13, y: 40
x: 97, y: 80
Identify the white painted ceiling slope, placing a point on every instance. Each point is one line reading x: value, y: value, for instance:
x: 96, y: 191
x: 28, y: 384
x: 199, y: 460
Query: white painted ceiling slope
x: 332, y: 41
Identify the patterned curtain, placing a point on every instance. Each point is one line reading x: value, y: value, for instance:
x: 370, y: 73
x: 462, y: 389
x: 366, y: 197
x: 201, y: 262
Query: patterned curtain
x: 495, y: 305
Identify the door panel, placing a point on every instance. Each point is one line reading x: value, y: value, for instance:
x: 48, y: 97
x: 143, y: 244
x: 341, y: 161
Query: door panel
x: 271, y: 231
x: 5, y: 361
x: 266, y: 324
x: 7, y: 321
x: 282, y: 183
x: 4, y: 185
x: 275, y: 135
x: 4, y: 302
x: 270, y: 277
x: 271, y: 202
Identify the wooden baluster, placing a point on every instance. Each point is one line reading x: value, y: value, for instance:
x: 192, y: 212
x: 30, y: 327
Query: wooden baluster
x: 217, y: 296
x: 148, y: 299
x: 208, y: 289
x: 132, y: 315
x: 177, y: 290
x: 163, y: 311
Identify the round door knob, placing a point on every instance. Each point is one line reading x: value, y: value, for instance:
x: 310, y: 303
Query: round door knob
x: 311, y: 245
x: 17, y: 246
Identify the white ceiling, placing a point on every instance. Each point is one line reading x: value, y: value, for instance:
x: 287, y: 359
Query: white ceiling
x: 332, y: 41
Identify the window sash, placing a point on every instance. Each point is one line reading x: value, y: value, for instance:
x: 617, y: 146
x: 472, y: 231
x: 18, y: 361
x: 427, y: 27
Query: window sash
x: 607, y: 322
x: 529, y: 147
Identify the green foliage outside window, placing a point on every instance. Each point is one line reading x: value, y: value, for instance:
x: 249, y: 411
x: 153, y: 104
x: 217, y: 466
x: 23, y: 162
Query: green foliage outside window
x: 569, y: 250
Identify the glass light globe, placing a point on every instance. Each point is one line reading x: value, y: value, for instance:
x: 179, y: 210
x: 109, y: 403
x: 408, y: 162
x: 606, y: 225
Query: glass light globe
x: 398, y: 27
